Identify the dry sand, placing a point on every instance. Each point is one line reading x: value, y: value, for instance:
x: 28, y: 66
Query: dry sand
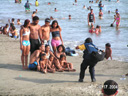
x: 15, y: 81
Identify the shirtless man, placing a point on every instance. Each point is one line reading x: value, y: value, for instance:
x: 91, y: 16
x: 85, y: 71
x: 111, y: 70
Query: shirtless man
x: 44, y: 33
x: 34, y: 58
x: 34, y: 34
x: 34, y: 14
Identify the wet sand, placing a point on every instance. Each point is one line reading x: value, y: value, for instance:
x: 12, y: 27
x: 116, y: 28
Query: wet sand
x: 15, y: 81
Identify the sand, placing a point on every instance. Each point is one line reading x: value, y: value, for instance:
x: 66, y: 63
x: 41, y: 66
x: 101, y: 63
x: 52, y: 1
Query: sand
x: 18, y: 82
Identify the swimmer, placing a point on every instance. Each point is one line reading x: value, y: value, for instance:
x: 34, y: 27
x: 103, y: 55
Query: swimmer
x: 36, y: 11
x: 84, y: 6
x: 92, y: 29
x: 13, y: 21
x: 98, y: 29
x: 51, y: 18
x: 75, y: 1
x: 49, y: 3
x: 27, y: 6
x: 36, y: 3
x: 108, y: 11
x: 117, y: 20
x: 18, y: 22
x: 97, y: 1
x: 55, y: 10
x: 70, y: 17
x: 100, y: 14
x: 117, y: 1
x: 116, y: 11
x: 34, y: 14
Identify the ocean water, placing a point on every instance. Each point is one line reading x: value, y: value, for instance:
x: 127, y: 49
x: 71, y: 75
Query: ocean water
x: 75, y: 31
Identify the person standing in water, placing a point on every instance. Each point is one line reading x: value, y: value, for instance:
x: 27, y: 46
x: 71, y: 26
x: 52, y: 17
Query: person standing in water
x: 91, y: 17
x: 34, y: 34
x: 27, y: 6
x: 25, y: 43
x: 36, y: 3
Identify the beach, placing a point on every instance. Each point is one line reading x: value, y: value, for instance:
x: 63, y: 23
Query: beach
x: 16, y: 81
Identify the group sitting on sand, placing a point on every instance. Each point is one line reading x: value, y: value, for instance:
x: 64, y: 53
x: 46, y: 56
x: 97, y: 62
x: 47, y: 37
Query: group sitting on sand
x: 36, y: 39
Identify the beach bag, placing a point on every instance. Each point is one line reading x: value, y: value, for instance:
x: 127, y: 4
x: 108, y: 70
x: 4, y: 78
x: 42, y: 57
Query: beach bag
x: 94, y: 54
x: 97, y: 56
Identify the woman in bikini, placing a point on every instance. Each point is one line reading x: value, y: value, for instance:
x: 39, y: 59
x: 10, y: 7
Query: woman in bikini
x: 117, y: 20
x: 25, y: 43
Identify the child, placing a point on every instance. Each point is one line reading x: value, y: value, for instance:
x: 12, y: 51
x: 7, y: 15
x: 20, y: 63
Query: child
x: 100, y: 14
x: 98, y: 29
x: 92, y: 28
x: 65, y: 64
x: 108, y: 51
x: 18, y: 22
x: 70, y: 17
x: 43, y: 63
x: 50, y: 65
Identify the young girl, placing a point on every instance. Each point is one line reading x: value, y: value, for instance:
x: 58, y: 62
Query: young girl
x: 108, y: 51
x: 25, y: 43
x: 92, y: 29
x: 56, y: 35
x: 98, y: 29
x: 67, y: 66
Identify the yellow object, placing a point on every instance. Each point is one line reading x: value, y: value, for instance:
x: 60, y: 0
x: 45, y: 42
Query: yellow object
x: 36, y: 3
x: 82, y: 47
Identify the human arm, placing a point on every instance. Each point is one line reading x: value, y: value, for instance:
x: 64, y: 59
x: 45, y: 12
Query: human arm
x: 88, y: 19
x: 21, y: 38
x: 40, y: 35
x: 61, y: 35
x: 111, y: 53
x: 81, y: 47
x: 94, y: 17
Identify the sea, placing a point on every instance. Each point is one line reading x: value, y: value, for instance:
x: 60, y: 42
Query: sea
x: 75, y: 31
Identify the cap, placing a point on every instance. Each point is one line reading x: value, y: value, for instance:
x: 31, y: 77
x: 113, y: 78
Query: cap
x: 47, y: 20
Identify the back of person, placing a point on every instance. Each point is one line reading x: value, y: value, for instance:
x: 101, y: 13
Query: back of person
x: 90, y: 48
x: 27, y: 5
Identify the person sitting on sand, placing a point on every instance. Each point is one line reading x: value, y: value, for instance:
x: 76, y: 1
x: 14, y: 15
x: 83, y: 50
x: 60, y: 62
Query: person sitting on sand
x: 110, y: 88
x: 10, y: 29
x: 65, y: 64
x: 35, y: 57
x: 55, y: 61
x: 43, y: 63
x: 14, y: 32
x: 108, y: 51
x: 18, y: 22
x: 88, y: 47
x: 5, y: 31
x: 60, y: 51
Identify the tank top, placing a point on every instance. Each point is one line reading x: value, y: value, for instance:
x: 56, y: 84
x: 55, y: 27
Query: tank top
x: 91, y: 17
x: 56, y: 34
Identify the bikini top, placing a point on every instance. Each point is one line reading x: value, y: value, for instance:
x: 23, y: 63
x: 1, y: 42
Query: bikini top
x: 56, y: 34
x: 47, y: 56
x: 26, y: 33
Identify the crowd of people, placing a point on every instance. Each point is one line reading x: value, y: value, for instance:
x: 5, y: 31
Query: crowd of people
x: 35, y: 39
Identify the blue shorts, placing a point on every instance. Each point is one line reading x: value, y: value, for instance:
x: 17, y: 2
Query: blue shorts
x: 25, y: 43
x: 33, y: 66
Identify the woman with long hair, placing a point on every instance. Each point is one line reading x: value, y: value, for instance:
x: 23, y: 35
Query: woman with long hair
x: 25, y: 43
x: 56, y: 35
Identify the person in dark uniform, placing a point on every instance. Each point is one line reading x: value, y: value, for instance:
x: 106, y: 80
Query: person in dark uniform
x: 88, y: 47
x: 91, y: 17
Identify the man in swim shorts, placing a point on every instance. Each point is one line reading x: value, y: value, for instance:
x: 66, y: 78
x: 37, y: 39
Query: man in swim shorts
x: 91, y: 17
x: 45, y: 32
x: 34, y: 34
x: 27, y: 6
x: 35, y: 57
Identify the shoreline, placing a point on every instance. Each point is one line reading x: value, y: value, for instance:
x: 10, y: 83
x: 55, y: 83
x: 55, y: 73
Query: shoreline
x: 16, y: 81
